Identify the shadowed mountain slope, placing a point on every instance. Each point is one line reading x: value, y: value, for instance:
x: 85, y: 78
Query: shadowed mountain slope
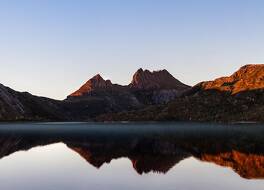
x: 17, y: 106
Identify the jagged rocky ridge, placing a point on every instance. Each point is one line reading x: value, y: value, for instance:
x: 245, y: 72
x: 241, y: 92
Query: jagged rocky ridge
x: 147, y: 87
x: 97, y: 96
x: 157, y: 87
x: 150, y: 96
x: 227, y: 99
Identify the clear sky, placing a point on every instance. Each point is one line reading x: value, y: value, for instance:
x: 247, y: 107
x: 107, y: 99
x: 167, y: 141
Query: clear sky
x: 51, y: 47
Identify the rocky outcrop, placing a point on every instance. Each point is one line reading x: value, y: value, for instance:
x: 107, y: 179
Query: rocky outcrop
x: 248, y: 77
x: 96, y: 85
x: 156, y: 80
x: 157, y: 87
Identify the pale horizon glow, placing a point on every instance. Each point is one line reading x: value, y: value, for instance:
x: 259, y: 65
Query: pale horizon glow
x: 50, y: 48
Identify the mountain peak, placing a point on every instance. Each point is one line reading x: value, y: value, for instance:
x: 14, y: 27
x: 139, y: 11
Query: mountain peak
x: 97, y: 77
x: 162, y: 79
x: 140, y: 70
x: 95, y: 83
x: 248, y: 77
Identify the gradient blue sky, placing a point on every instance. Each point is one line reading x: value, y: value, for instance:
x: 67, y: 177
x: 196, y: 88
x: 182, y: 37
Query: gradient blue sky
x: 51, y: 47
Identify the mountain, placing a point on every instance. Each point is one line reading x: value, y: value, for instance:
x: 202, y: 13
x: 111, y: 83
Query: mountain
x: 150, y: 96
x: 156, y: 80
x: 238, y: 97
x: 248, y: 77
x: 17, y: 106
x: 99, y: 96
x: 157, y: 87
x: 149, y: 87
x: 249, y: 166
x: 96, y: 85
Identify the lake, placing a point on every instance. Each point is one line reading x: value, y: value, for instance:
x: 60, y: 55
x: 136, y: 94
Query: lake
x: 130, y: 156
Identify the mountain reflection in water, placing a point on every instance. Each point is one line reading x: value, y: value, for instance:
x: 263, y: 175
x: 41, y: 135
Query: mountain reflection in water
x: 150, y: 148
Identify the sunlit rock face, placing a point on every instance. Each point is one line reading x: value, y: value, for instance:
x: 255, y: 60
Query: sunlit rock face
x: 156, y: 80
x: 96, y: 84
x: 143, y: 80
x: 248, y: 77
x: 157, y: 87
x: 249, y: 166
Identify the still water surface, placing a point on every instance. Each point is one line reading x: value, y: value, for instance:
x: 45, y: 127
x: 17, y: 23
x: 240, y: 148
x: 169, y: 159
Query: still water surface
x: 131, y: 156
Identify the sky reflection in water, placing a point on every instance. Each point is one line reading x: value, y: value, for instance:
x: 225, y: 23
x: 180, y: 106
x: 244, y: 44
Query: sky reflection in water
x: 65, y: 164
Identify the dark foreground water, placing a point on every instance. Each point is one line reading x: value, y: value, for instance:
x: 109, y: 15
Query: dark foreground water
x: 131, y: 156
